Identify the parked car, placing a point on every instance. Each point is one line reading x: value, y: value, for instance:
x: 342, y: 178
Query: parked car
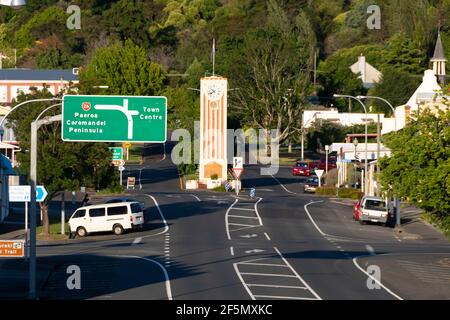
x: 301, y: 169
x: 117, y: 200
x: 331, y: 163
x: 115, y: 217
x: 374, y: 209
x: 311, y: 184
x: 313, y: 165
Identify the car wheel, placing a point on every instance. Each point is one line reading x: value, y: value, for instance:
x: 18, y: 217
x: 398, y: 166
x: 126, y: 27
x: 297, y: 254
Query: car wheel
x: 117, y: 229
x: 81, y: 232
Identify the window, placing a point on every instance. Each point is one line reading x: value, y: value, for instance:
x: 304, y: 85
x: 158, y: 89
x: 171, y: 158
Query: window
x: 135, y: 208
x: 99, y: 212
x: 79, y: 214
x: 302, y: 165
x: 375, y: 205
x: 115, y: 211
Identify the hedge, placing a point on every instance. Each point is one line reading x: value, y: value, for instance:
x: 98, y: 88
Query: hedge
x: 343, y: 192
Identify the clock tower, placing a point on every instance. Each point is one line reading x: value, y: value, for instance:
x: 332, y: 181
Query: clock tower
x: 213, y: 128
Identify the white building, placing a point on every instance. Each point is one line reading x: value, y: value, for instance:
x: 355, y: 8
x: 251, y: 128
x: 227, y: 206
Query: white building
x: 345, y: 119
x: 367, y: 73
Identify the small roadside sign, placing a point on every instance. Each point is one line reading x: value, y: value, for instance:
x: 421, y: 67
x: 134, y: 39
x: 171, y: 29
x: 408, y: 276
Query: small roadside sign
x: 118, y: 163
x: 131, y: 181
x: 12, y: 248
x: 19, y: 193
x: 319, y: 174
x: 227, y: 185
x: 252, y: 192
x: 238, y: 172
x: 117, y: 153
x: 121, y: 168
x: 41, y: 193
x: 238, y: 163
x: 126, y: 145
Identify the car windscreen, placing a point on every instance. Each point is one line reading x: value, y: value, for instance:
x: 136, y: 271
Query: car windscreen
x: 79, y: 214
x: 375, y: 205
x: 115, y: 211
x: 135, y: 208
x: 302, y: 165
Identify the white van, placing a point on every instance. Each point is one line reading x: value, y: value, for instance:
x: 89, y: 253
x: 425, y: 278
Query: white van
x: 115, y: 217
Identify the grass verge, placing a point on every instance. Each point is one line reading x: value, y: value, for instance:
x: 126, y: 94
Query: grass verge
x: 54, y: 231
x: 442, y: 223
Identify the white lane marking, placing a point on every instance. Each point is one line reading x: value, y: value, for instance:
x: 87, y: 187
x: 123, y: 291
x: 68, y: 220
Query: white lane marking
x: 275, y: 286
x: 288, y: 191
x: 312, y: 220
x: 283, y: 297
x: 256, y: 210
x: 166, y: 274
x: 268, y: 274
x: 242, y: 225
x: 166, y: 226
x: 232, y: 251
x: 226, y: 219
x: 198, y: 199
x: 254, y: 251
x: 236, y: 269
x: 137, y: 240
x: 295, y: 272
x: 264, y: 264
x: 370, y: 249
x: 235, y: 216
x: 267, y: 236
x: 243, y: 209
x: 379, y: 282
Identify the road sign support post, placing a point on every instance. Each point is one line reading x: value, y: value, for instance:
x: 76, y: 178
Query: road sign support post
x: 26, y: 231
x: 63, y: 213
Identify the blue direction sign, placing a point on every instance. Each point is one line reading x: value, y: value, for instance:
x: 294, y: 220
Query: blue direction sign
x: 41, y: 193
x: 252, y: 192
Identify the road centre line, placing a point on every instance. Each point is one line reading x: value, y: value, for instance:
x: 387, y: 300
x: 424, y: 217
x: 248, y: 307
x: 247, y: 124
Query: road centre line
x: 198, y: 199
x: 137, y: 240
x: 232, y: 251
x: 267, y: 236
x: 312, y: 220
x: 377, y: 281
x: 295, y: 272
x: 370, y: 249
x: 166, y: 226
x: 166, y: 275
x: 288, y: 191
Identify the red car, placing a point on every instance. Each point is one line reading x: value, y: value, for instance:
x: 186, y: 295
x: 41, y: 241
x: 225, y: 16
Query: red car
x: 356, y: 210
x: 301, y: 169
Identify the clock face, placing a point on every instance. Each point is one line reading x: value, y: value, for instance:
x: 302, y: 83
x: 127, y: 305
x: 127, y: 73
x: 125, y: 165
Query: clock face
x: 214, y: 92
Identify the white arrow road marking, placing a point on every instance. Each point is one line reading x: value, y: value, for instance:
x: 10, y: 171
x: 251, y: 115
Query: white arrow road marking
x: 254, y: 251
x: 137, y: 240
x: 248, y: 236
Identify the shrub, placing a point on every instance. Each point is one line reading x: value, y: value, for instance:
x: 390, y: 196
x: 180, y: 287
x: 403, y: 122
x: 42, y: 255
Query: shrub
x: 343, y: 192
x: 214, y: 176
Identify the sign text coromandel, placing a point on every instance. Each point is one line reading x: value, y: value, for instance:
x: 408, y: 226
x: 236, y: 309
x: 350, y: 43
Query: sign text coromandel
x: 114, y: 118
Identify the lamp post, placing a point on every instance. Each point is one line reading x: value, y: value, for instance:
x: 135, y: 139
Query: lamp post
x: 355, y: 143
x: 387, y: 102
x: 365, y: 134
x: 327, y: 148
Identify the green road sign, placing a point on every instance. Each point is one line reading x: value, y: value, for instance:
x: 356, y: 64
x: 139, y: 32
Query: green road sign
x: 114, y: 118
x: 117, y: 153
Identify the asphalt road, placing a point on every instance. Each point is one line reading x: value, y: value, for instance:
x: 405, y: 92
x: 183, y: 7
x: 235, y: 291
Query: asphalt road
x: 283, y: 244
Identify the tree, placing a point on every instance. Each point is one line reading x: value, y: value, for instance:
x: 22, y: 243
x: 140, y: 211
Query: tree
x: 396, y: 86
x: 405, y: 54
x: 419, y: 167
x: 276, y: 65
x: 60, y: 165
x: 125, y: 69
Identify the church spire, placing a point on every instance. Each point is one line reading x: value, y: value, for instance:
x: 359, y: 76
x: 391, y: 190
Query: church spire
x: 439, y: 60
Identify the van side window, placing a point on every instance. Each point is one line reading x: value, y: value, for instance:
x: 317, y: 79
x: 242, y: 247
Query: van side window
x: 98, y: 212
x: 115, y: 211
x: 135, y: 208
x: 79, y: 214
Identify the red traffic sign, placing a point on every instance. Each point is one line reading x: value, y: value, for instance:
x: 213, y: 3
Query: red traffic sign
x: 237, y: 172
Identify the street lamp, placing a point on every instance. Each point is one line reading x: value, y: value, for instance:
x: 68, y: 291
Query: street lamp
x: 355, y: 143
x: 387, y: 102
x: 365, y: 134
x: 327, y: 148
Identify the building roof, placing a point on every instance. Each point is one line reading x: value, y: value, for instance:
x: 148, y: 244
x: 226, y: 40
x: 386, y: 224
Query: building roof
x: 37, y: 75
x: 439, y: 54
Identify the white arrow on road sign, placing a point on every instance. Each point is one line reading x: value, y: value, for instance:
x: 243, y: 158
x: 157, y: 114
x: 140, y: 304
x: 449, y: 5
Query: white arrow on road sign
x: 121, y: 168
x: 254, y: 251
x: 248, y: 236
x: 41, y: 193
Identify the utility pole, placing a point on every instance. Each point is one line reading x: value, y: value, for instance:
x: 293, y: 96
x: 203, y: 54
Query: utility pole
x: 378, y: 149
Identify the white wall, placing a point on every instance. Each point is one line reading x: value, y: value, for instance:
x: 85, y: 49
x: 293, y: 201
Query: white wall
x: 345, y: 119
